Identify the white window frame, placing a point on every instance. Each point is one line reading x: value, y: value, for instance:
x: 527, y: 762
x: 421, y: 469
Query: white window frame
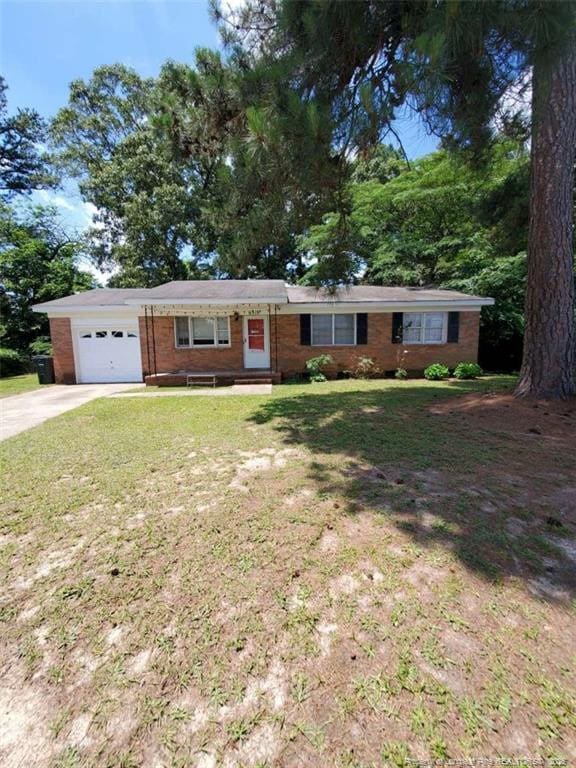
x: 191, y: 344
x: 423, y: 316
x: 332, y: 315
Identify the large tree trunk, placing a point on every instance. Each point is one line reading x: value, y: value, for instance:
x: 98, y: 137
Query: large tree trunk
x: 549, y: 342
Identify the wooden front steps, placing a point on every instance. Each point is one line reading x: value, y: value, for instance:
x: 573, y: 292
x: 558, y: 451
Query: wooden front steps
x: 212, y: 378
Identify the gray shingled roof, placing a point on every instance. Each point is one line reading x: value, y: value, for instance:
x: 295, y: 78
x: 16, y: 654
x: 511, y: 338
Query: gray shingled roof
x: 269, y: 291
x: 99, y: 297
x: 225, y: 290
x: 366, y: 293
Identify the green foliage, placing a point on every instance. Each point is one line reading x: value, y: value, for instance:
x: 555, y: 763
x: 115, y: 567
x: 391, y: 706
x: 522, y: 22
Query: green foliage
x: 12, y: 362
x: 440, y: 223
x: 453, y: 63
x: 23, y: 167
x: 189, y: 172
x: 147, y: 204
x: 252, y: 203
x: 365, y: 368
x: 380, y: 163
x: 396, y: 754
x: 456, y: 65
x: 502, y: 325
x: 401, y: 374
x: 38, y: 262
x: 41, y: 346
x: 437, y: 372
x: 414, y: 227
x: 467, y: 371
x: 315, y: 366
x: 332, y: 247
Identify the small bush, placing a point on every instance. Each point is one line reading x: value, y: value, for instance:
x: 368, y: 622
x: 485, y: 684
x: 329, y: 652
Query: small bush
x: 467, y: 371
x: 401, y: 374
x: 12, y: 362
x: 365, y: 368
x: 41, y: 346
x: 315, y: 365
x: 436, y: 372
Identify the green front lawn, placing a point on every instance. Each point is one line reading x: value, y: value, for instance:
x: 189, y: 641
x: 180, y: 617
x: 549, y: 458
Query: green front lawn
x: 16, y: 385
x: 345, y: 574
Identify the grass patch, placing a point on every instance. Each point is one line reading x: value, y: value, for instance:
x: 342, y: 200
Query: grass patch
x: 16, y: 385
x: 321, y: 577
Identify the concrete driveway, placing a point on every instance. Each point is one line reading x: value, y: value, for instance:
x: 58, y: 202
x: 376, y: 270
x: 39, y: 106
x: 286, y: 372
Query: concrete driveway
x: 21, y: 412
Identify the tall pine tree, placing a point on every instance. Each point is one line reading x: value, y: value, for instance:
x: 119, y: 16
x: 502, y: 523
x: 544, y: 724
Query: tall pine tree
x: 454, y: 63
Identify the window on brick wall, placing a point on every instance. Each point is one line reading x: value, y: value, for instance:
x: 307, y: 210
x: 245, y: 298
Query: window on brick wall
x: 424, y: 327
x: 333, y: 330
x: 202, y: 331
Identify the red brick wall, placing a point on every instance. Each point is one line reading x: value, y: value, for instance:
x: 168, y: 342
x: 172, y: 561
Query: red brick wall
x: 289, y: 356
x: 61, y: 336
x: 170, y: 358
x: 292, y: 355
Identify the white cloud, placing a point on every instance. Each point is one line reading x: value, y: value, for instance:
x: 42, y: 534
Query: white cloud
x: 49, y: 198
x: 89, y: 211
x: 61, y: 202
x: 75, y: 213
x: 516, y: 101
x: 231, y: 9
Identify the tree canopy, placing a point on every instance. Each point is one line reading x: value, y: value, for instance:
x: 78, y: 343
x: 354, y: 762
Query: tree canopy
x: 23, y: 165
x: 39, y: 261
x: 440, y: 223
x: 454, y: 63
x: 188, y: 175
x: 280, y: 158
x: 147, y: 207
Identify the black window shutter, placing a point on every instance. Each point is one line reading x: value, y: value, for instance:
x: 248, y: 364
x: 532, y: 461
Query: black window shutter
x: 453, y: 327
x: 305, y: 333
x: 362, y: 328
x: 397, y: 327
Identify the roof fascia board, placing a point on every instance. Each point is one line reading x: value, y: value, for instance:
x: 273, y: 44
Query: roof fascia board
x: 112, y: 309
x: 133, y: 305
x: 459, y: 305
x: 175, y: 301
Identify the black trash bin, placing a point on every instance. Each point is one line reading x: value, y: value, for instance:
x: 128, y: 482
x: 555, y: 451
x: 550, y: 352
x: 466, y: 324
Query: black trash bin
x: 44, y: 365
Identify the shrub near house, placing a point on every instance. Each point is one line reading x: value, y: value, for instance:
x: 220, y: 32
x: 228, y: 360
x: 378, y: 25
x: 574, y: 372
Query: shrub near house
x: 437, y: 372
x: 467, y: 371
x: 12, y: 363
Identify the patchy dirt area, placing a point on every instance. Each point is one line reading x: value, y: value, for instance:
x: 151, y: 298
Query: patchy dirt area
x: 509, y: 415
x: 369, y: 574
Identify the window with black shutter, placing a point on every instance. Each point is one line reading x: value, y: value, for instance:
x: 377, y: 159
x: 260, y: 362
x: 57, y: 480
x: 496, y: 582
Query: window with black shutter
x: 362, y: 328
x: 305, y: 334
x: 453, y: 327
x: 397, y: 327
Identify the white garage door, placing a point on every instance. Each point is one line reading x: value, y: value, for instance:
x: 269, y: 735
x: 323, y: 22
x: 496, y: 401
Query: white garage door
x: 107, y: 354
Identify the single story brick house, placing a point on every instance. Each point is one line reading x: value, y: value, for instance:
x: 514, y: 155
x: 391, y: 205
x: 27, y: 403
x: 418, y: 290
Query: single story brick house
x: 234, y: 330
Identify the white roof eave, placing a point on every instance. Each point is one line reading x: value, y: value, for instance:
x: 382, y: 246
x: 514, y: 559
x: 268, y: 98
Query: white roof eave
x: 284, y: 306
x: 460, y: 305
x: 74, y: 309
x: 205, y: 302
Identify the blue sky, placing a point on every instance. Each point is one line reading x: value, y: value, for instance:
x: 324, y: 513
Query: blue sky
x: 45, y: 44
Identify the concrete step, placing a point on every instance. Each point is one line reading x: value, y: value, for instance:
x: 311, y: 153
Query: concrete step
x: 260, y: 380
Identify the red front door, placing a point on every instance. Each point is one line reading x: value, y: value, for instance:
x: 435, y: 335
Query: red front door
x: 256, y: 343
x: 256, y: 338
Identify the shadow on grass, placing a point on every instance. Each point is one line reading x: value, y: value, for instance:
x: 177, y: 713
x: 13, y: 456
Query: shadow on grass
x: 433, y: 475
